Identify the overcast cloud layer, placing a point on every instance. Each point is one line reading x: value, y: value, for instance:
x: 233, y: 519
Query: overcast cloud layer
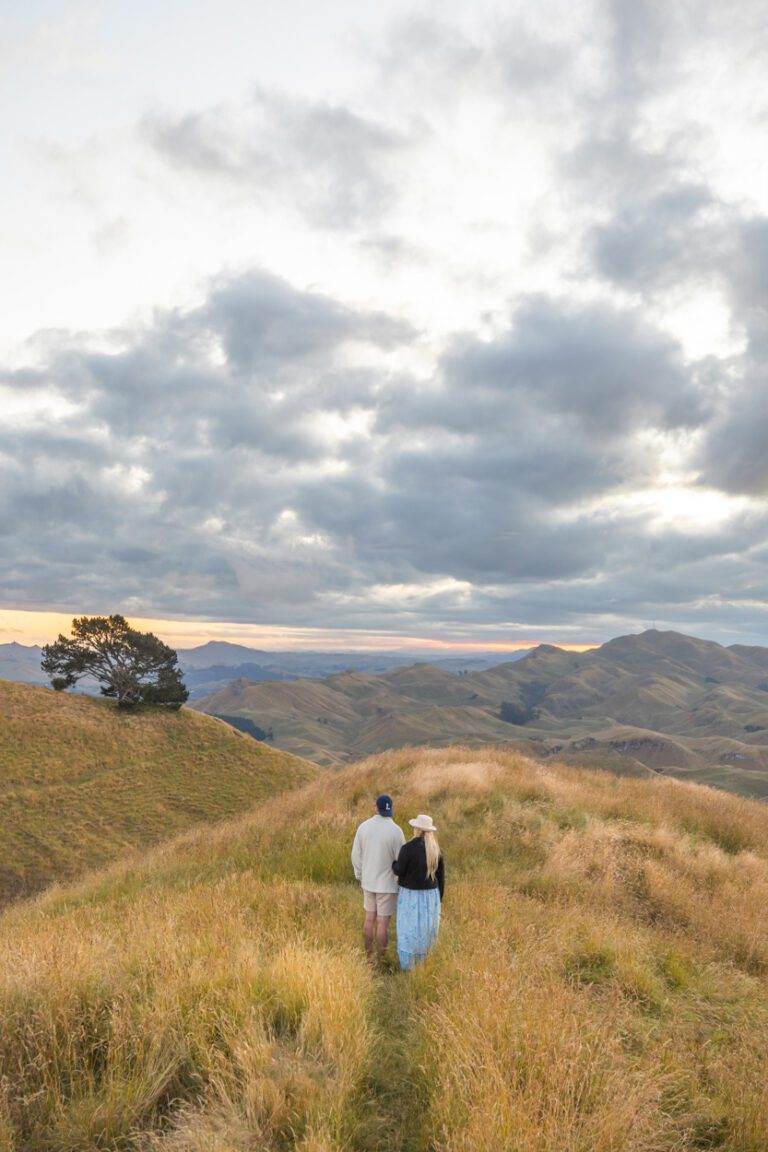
x: 469, y: 340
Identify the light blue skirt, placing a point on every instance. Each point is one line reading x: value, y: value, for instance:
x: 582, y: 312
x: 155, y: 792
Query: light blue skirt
x: 418, y: 922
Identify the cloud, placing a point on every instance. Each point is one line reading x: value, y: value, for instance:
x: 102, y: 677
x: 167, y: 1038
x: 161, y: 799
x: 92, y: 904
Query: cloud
x: 266, y: 326
x: 337, y: 167
x: 186, y: 441
x: 233, y: 461
x: 676, y: 235
x: 521, y: 57
x: 664, y: 227
x: 606, y: 368
x: 734, y: 453
x: 476, y: 465
x: 644, y: 174
x: 543, y: 450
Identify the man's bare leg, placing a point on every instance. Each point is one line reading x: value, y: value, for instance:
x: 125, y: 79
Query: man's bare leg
x: 382, y: 933
x: 369, y: 932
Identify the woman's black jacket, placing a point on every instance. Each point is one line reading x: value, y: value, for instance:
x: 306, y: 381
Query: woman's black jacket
x: 411, y: 867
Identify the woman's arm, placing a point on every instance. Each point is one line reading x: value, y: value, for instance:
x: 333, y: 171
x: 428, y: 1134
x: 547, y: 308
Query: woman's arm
x: 441, y: 876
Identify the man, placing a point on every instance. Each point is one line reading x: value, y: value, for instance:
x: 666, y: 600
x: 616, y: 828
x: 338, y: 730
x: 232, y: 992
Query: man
x: 377, y: 844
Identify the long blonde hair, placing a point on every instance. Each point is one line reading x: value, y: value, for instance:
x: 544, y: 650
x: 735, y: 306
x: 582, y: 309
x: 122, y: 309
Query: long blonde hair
x: 433, y: 852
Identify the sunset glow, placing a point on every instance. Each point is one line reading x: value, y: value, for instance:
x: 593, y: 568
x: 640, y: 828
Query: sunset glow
x: 25, y: 627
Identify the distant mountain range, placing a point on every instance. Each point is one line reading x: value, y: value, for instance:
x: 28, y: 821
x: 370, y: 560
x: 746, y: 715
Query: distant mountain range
x: 654, y: 702
x: 21, y: 663
x: 211, y: 666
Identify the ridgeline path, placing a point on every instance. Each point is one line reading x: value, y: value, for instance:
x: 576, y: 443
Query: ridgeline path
x: 395, y: 1090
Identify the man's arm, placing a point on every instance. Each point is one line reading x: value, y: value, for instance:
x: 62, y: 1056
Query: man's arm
x: 396, y: 842
x: 357, y: 856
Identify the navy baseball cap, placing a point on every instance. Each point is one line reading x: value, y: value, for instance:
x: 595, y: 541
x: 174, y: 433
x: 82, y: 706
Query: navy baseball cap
x: 384, y: 805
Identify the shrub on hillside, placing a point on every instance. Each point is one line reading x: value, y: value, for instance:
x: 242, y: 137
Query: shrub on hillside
x: 520, y: 714
x: 243, y: 724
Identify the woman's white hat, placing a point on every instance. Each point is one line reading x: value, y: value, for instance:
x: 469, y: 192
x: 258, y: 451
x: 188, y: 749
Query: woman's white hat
x: 423, y: 823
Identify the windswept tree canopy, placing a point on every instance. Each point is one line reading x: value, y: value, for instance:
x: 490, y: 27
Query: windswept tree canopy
x: 133, y: 667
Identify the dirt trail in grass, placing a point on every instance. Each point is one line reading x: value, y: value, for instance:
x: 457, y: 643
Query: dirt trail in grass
x: 395, y: 1088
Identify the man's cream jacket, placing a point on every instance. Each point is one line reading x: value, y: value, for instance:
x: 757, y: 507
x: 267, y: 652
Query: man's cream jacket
x: 377, y: 844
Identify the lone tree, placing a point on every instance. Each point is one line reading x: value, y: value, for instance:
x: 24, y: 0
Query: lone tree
x: 133, y: 667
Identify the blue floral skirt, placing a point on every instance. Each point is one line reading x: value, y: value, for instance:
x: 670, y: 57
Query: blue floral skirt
x: 418, y: 922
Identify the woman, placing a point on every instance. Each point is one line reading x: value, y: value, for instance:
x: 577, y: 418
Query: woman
x: 421, y: 875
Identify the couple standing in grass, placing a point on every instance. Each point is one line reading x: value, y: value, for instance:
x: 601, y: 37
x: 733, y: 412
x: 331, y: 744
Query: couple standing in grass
x: 407, y: 878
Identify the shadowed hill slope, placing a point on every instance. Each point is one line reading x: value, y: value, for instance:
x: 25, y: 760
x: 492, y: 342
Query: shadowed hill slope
x: 81, y: 782
x: 655, y: 702
x: 600, y: 983
x: 353, y: 714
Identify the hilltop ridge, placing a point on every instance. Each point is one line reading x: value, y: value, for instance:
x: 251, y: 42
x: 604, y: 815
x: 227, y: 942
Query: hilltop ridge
x: 599, y: 983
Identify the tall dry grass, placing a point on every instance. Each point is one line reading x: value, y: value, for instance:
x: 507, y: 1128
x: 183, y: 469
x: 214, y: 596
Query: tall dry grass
x: 600, y: 984
x: 82, y: 782
x: 181, y: 1021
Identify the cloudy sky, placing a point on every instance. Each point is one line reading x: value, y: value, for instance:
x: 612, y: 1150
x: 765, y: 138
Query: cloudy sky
x: 386, y: 321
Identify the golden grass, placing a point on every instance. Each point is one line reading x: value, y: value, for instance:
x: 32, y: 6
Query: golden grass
x: 82, y: 782
x: 600, y: 984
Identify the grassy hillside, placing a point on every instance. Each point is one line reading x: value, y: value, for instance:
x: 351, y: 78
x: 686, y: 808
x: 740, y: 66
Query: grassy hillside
x: 600, y: 984
x: 657, y: 702
x: 81, y: 782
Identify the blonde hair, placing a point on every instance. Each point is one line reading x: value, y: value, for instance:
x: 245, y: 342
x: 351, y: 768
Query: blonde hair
x: 433, y: 852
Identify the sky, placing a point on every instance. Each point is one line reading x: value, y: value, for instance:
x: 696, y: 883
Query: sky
x: 339, y: 324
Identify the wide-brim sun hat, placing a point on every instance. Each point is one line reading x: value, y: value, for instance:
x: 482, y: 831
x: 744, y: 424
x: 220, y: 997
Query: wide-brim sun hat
x: 423, y: 823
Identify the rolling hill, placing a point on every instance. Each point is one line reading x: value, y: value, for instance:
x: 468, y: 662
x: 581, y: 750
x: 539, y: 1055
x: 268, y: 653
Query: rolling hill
x: 354, y: 713
x: 657, y: 702
x: 81, y: 782
x: 599, y: 984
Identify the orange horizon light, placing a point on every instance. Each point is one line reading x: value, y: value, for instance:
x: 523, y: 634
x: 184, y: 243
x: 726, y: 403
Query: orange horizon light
x: 29, y: 627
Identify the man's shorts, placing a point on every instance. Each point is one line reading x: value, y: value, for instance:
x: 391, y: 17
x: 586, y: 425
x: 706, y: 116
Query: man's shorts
x: 382, y: 903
